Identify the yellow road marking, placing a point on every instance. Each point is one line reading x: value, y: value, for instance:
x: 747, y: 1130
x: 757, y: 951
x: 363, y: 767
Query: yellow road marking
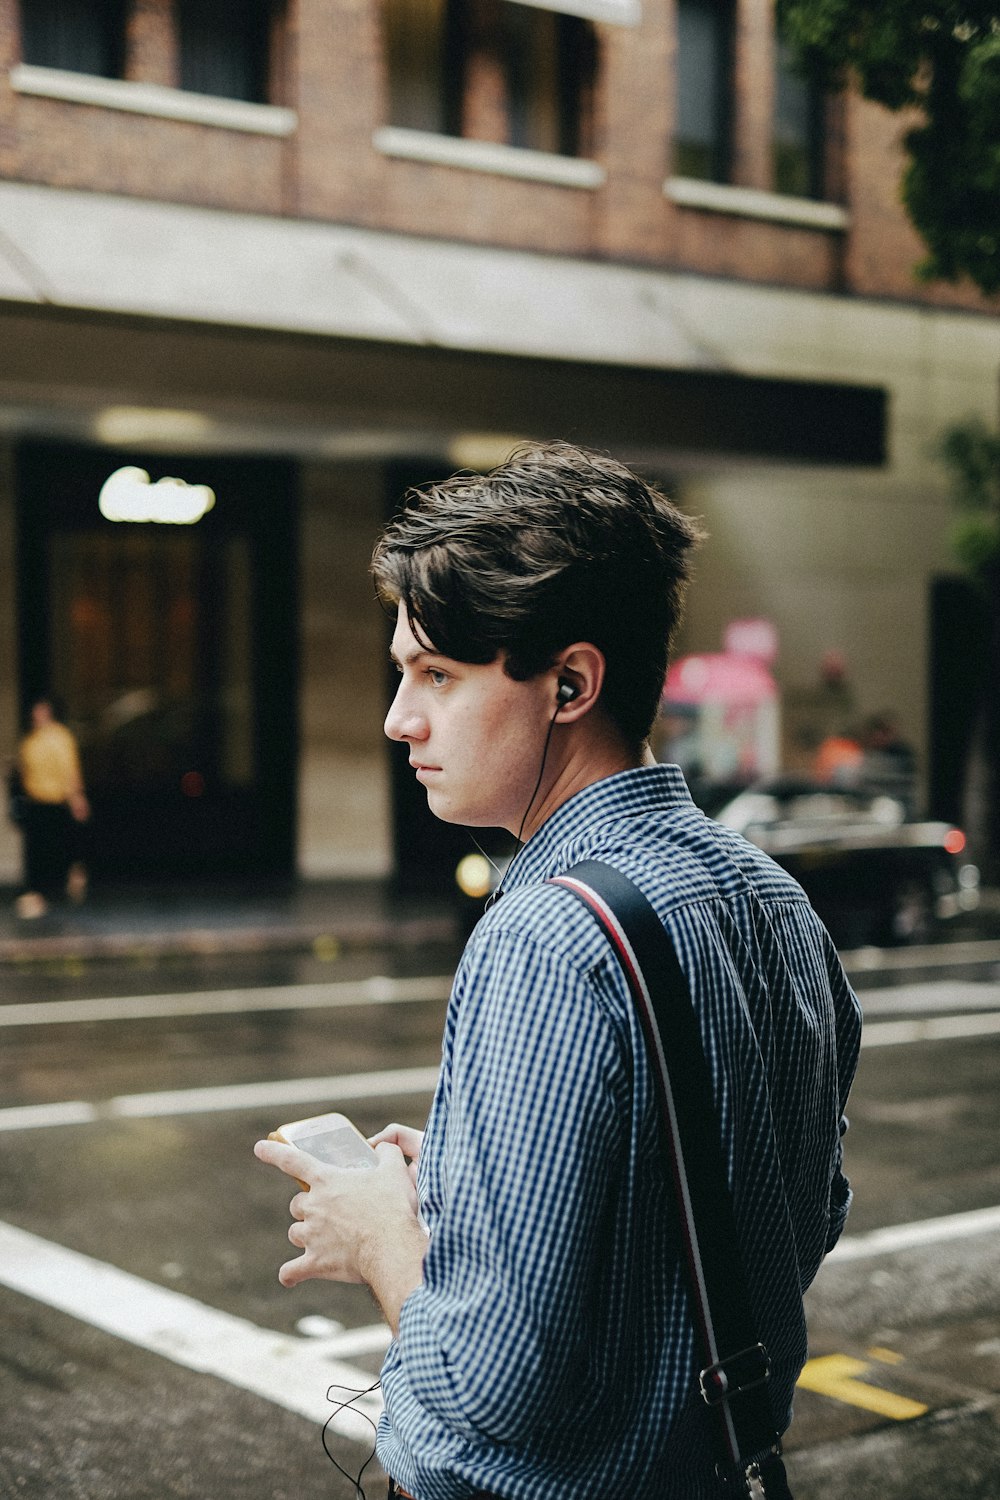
x: 837, y: 1376
x: 885, y: 1356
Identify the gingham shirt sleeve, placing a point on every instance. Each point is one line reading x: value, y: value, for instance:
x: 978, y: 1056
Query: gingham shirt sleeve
x: 848, y: 1030
x: 493, y: 1340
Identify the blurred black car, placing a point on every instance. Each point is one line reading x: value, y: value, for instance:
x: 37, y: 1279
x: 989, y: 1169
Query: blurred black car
x: 873, y: 874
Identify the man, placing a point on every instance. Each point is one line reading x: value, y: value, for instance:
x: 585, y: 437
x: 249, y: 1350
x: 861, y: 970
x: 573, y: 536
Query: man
x: 543, y: 1345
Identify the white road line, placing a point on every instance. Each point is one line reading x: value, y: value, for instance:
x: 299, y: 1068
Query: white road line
x: 930, y: 1029
x: 910, y: 1236
x: 31, y: 1116
x: 272, y: 1094
x: 293, y: 1373
x: 288, y: 1091
x: 378, y: 990
x: 938, y: 955
x: 932, y: 995
x: 374, y: 1338
x: 275, y: 1094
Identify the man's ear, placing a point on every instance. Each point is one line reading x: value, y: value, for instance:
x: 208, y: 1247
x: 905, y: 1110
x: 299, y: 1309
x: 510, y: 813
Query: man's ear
x: 579, y: 673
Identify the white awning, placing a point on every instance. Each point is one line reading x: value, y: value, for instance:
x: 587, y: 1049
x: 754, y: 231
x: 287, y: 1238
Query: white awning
x: 612, y: 12
x: 121, y: 255
x: 371, y: 300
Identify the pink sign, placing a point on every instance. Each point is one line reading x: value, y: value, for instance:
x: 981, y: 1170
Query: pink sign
x: 756, y: 638
x: 719, y: 677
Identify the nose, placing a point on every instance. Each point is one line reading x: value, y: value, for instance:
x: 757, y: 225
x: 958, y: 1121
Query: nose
x: 402, y: 722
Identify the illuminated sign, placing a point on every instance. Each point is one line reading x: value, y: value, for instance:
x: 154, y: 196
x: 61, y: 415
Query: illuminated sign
x: 129, y: 495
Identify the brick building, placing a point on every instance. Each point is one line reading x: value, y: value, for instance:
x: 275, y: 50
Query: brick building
x: 309, y: 252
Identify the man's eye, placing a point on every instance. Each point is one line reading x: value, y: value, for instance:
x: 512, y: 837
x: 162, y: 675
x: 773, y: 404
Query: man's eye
x: 437, y: 677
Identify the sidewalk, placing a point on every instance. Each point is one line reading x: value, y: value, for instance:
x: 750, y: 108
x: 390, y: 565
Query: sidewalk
x: 199, y: 921
x: 323, y: 917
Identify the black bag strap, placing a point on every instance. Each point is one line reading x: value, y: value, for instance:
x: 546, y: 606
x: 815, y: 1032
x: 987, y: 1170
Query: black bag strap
x: 735, y: 1364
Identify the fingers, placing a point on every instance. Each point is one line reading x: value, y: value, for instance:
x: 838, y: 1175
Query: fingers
x: 288, y: 1159
x: 389, y: 1153
x: 332, y: 1217
x: 307, y: 1268
x: 290, y: 1274
x: 405, y: 1137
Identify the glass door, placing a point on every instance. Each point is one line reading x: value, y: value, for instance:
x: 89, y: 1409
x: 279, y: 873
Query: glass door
x: 172, y: 648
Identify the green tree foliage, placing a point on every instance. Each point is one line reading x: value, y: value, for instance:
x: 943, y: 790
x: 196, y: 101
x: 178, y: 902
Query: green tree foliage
x: 943, y: 60
x: 972, y: 453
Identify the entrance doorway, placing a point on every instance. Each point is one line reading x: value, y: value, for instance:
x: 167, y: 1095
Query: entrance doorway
x: 173, y: 651
x: 959, y: 662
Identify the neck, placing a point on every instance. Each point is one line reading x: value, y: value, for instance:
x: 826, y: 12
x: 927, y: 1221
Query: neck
x: 578, y: 763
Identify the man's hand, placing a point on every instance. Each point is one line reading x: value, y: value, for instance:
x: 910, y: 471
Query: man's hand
x: 353, y: 1225
x: 407, y: 1139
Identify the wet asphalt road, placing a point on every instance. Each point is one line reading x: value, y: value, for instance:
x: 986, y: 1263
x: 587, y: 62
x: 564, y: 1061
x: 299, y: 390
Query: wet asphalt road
x: 200, y: 1376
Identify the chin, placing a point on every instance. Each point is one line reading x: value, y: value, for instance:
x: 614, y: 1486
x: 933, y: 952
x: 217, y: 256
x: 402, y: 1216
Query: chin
x: 442, y: 808
x: 448, y: 812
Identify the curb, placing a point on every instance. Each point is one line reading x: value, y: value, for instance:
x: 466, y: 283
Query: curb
x: 323, y: 940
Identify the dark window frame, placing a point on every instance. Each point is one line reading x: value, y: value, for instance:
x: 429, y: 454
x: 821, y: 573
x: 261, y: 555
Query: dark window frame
x: 812, y: 144
x: 717, y: 164
x: 512, y: 35
x: 76, y: 36
x: 225, y: 48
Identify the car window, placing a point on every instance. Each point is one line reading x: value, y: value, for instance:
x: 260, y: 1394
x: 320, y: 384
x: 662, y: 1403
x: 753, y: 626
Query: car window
x: 755, y: 812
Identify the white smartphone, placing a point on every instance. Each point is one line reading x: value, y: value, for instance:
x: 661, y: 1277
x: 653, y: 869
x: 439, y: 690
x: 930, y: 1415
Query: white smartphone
x: 331, y: 1138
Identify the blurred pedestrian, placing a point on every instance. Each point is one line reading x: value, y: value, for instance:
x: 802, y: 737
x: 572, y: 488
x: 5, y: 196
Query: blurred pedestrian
x: 53, y: 806
x: 834, y: 694
x: 839, y: 760
x: 889, y: 763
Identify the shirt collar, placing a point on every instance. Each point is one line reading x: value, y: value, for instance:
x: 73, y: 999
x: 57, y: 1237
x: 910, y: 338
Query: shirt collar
x: 627, y: 793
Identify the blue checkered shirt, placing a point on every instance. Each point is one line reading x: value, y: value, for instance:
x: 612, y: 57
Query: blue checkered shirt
x: 549, y: 1353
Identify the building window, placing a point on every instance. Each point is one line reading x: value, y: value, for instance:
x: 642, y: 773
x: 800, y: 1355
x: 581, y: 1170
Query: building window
x: 702, y: 146
x: 798, y: 138
x: 491, y: 70
x: 225, y: 47
x: 80, y: 36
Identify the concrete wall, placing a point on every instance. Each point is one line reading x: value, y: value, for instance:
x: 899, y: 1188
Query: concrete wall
x: 844, y: 559
x: 343, y: 778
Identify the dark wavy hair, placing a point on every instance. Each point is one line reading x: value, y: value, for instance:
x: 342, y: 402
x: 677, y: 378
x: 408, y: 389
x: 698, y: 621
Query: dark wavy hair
x: 558, y: 544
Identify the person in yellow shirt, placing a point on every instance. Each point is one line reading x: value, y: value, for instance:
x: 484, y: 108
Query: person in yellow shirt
x: 48, y: 761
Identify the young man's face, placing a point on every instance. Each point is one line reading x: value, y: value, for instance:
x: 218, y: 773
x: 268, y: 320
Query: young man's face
x: 475, y: 735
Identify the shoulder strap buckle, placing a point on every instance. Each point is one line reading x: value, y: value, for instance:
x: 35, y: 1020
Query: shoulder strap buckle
x: 738, y: 1372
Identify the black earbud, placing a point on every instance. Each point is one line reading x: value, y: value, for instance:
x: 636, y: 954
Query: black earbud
x: 566, y: 691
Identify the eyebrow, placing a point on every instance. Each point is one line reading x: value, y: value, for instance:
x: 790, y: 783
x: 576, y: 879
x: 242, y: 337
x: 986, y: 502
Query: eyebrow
x: 411, y: 657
